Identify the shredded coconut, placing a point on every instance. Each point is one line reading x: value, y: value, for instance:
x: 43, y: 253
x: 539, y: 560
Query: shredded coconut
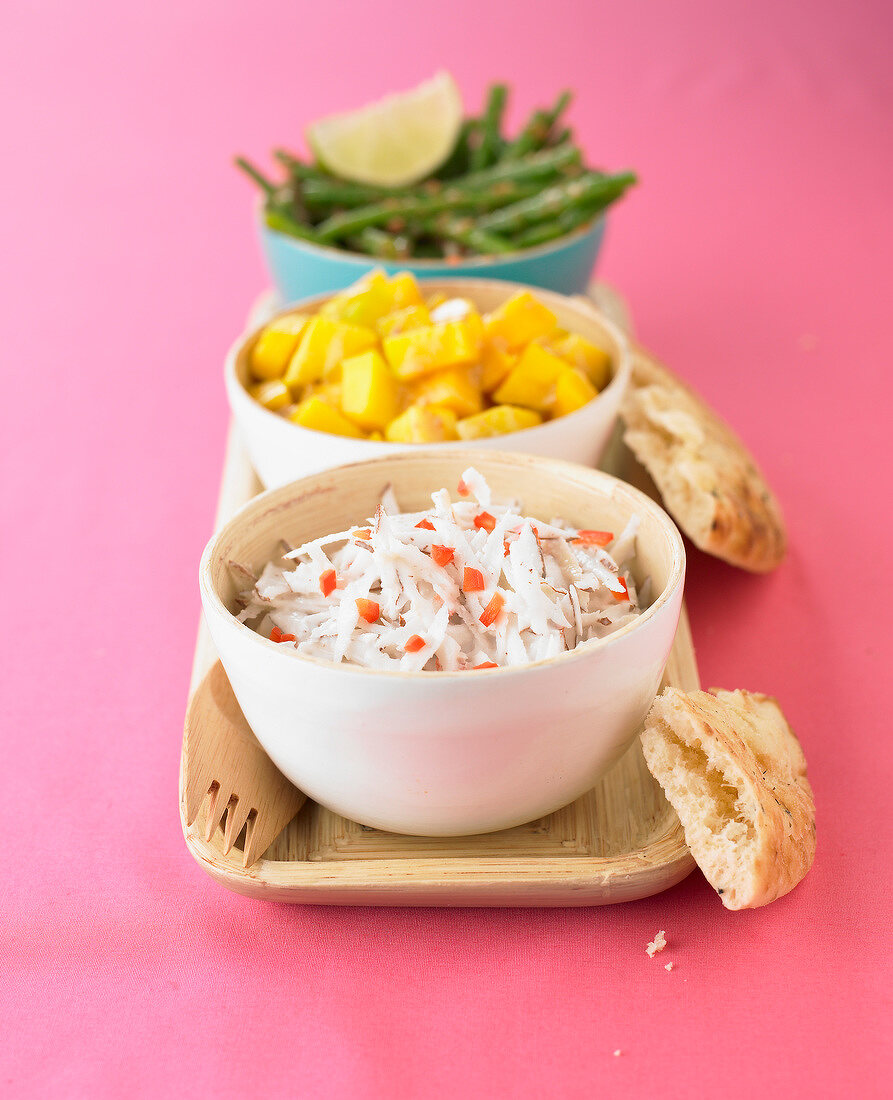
x: 669, y: 966
x: 458, y: 586
x: 657, y: 944
x: 453, y: 309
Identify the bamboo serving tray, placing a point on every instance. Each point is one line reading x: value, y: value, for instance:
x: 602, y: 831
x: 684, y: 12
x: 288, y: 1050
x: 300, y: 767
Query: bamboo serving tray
x: 620, y: 841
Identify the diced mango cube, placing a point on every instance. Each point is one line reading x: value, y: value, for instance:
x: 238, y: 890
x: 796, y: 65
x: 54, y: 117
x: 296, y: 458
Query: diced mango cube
x: 518, y: 321
x: 363, y: 303
x: 498, y: 420
x: 328, y: 391
x: 573, y: 390
x: 323, y: 344
x: 370, y: 395
x: 451, y: 344
x: 474, y: 326
x: 582, y: 353
x: 422, y: 424
x: 404, y: 291
x: 531, y: 382
x: 495, y: 364
x: 318, y: 414
x: 272, y: 395
x: 276, y: 344
x: 402, y: 320
x: 453, y: 388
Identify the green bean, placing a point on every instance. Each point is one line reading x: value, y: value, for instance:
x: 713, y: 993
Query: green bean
x: 566, y: 222
x: 490, y: 144
x: 538, y: 166
x: 427, y: 249
x: 592, y: 190
x: 539, y: 126
x: 376, y: 242
x: 418, y: 206
x: 279, y: 207
x: 531, y: 137
x: 389, y: 211
x: 464, y: 231
x: 284, y: 222
x: 320, y: 190
x: 299, y: 169
x: 267, y: 186
x: 332, y: 192
x: 457, y: 163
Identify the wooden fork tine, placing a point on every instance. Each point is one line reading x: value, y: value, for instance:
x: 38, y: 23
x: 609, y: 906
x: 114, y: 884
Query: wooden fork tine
x: 198, y: 776
x: 199, y: 781
x: 236, y: 816
x: 263, y: 829
x: 224, y: 760
x: 218, y: 805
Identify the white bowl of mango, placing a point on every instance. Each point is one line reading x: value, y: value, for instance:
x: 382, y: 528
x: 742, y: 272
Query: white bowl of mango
x: 391, y: 363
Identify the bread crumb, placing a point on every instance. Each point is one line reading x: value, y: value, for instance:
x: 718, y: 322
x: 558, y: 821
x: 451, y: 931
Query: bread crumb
x: 657, y: 944
x: 669, y: 966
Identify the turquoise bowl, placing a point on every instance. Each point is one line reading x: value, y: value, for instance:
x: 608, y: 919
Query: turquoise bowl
x: 302, y: 270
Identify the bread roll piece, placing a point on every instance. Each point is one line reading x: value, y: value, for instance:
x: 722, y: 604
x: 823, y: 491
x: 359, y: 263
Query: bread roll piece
x: 735, y: 774
x: 707, y: 478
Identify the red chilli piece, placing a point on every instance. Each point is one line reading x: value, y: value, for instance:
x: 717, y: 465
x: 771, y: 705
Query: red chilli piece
x: 442, y: 555
x: 491, y: 612
x: 363, y: 533
x: 462, y: 489
x: 507, y: 545
x: 328, y: 582
x: 414, y: 644
x: 485, y: 521
x: 487, y: 664
x: 472, y: 580
x: 425, y: 524
x: 621, y: 596
x: 369, y: 610
x: 594, y: 538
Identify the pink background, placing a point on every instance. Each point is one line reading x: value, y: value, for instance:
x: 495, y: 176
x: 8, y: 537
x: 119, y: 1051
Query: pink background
x: 756, y: 257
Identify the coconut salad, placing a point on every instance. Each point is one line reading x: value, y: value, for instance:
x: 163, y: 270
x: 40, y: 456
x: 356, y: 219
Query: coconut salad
x: 464, y: 585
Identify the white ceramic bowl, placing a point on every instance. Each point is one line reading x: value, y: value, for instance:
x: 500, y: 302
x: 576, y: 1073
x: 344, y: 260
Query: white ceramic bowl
x: 281, y: 451
x: 437, y: 753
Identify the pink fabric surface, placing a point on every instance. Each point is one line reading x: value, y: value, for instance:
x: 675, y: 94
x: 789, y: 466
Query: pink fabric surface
x: 756, y: 258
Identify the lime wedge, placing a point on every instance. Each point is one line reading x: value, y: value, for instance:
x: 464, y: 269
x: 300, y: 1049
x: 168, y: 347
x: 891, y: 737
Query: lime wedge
x: 395, y: 141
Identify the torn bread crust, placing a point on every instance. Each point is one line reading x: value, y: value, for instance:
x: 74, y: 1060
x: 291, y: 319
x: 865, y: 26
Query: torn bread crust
x: 705, y: 474
x: 733, y: 770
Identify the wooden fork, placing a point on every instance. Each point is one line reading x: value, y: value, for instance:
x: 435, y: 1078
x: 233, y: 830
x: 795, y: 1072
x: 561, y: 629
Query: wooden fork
x: 224, y: 760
